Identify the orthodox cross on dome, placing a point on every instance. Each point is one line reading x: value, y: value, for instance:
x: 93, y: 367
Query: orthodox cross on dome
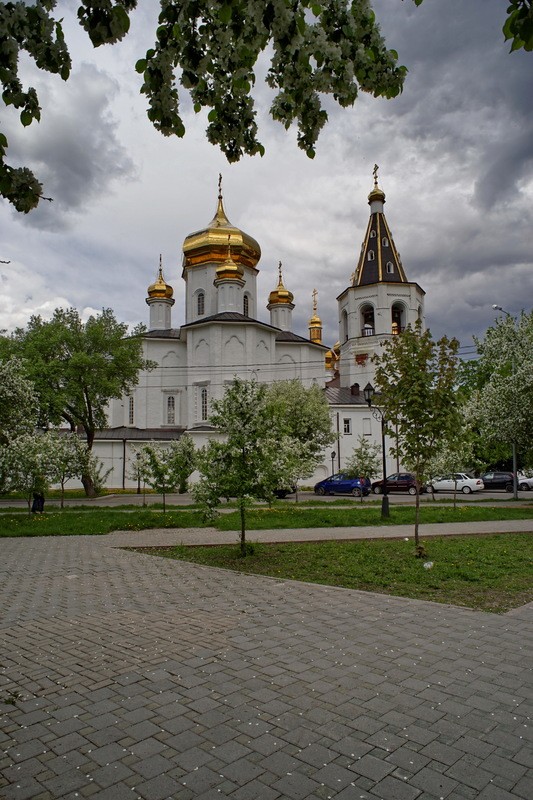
x: 375, y: 173
x: 220, y: 186
x: 315, y: 300
x: 160, y: 266
x: 280, y: 278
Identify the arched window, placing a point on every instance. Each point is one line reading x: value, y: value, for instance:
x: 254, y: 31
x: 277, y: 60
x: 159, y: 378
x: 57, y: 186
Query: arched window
x: 385, y: 242
x: 398, y: 321
x: 344, y: 319
x: 390, y: 268
x: 171, y: 410
x: 200, y: 304
x: 367, y: 316
x: 372, y: 234
x: 246, y: 306
x: 371, y: 255
x: 131, y: 411
x: 203, y: 403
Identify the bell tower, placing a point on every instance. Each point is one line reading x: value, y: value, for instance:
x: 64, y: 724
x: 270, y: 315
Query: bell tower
x: 380, y: 302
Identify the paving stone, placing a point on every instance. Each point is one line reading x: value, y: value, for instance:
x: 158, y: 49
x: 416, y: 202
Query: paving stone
x: 149, y: 677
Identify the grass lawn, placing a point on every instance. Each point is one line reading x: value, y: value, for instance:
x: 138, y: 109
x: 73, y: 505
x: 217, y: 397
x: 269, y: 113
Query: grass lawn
x: 488, y: 573
x: 92, y: 521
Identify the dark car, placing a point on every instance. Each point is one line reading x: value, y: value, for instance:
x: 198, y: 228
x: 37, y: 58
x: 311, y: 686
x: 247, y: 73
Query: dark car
x: 343, y: 484
x: 498, y: 480
x: 398, y: 482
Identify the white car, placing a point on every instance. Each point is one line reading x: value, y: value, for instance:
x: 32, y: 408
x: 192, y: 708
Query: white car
x: 524, y: 483
x: 456, y: 482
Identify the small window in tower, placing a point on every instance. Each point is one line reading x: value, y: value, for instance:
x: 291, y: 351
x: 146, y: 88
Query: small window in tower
x: 171, y: 410
x: 201, y: 304
x: 131, y: 411
x: 390, y: 268
x: 372, y: 234
x: 371, y: 255
x: 246, y: 306
x: 347, y: 425
x: 385, y: 242
x: 203, y: 403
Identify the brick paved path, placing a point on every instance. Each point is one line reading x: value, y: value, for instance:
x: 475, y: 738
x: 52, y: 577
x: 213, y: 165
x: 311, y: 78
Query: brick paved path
x: 145, y: 678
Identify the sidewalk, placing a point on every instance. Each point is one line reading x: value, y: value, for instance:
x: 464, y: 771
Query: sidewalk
x: 131, y: 677
x: 167, y: 536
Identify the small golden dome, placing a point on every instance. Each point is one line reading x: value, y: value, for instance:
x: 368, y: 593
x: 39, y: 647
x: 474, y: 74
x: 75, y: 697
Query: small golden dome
x: 315, y: 321
x: 280, y: 295
x: 337, y: 348
x: 229, y: 269
x: 210, y: 243
x: 376, y: 193
x: 160, y: 288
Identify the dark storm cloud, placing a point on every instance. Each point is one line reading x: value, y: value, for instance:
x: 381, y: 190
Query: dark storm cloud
x: 74, y: 150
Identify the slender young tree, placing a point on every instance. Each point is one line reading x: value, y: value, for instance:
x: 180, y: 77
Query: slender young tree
x: 254, y: 457
x: 364, y: 460
x: 416, y: 379
x: 168, y: 467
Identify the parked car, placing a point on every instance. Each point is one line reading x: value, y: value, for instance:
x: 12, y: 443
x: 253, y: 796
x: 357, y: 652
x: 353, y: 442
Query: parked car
x: 282, y: 493
x: 525, y: 483
x: 498, y: 480
x: 343, y: 484
x: 456, y: 482
x: 398, y: 482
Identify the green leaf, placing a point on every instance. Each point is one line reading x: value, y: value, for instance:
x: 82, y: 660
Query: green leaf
x: 224, y: 14
x: 26, y: 117
x: 140, y: 66
x: 213, y: 115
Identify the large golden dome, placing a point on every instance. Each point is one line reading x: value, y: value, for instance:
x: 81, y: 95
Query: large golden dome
x: 211, y: 243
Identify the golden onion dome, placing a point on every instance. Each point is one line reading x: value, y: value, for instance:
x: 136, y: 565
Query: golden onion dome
x: 315, y: 321
x: 330, y: 359
x: 376, y: 193
x: 160, y: 288
x: 280, y: 295
x: 229, y: 270
x: 210, y: 243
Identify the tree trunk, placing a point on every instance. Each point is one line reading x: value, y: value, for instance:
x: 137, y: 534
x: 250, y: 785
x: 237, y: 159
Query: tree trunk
x: 87, y: 481
x: 242, y: 511
x: 417, y: 518
x: 88, y: 485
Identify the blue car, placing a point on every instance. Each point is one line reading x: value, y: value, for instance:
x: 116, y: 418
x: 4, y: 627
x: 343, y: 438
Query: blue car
x: 343, y: 484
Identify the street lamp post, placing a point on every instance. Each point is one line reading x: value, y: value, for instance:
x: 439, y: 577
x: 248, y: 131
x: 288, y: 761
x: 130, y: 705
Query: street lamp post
x: 377, y: 413
x: 138, y: 457
x: 333, y: 454
x: 515, y: 460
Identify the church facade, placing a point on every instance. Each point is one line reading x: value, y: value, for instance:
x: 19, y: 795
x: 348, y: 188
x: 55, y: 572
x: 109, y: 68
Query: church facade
x: 223, y: 337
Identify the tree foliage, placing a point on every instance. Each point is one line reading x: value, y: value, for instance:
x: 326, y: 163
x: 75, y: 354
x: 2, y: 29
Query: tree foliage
x: 364, y: 460
x: 28, y: 464
x: 18, y: 401
x: 416, y: 379
x: 77, y: 368
x: 303, y: 415
x: 503, y: 402
x: 257, y: 454
x: 317, y: 47
x: 168, y: 467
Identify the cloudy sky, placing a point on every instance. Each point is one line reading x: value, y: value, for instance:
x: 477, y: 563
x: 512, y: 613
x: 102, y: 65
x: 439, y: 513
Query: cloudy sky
x: 455, y: 153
